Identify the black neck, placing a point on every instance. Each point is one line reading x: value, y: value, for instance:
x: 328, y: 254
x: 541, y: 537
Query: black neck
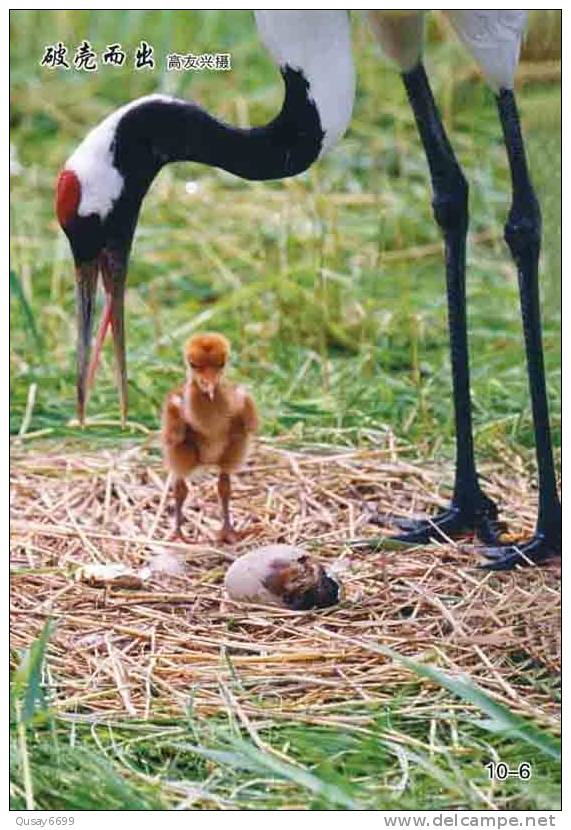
x: 161, y: 131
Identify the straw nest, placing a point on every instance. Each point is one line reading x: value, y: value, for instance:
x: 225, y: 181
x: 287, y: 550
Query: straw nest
x: 148, y: 653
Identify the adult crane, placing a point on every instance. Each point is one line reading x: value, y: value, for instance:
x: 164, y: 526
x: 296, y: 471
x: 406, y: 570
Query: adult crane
x: 102, y: 185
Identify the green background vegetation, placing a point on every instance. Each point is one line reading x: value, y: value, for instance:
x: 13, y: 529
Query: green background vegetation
x: 338, y: 320
x: 330, y: 287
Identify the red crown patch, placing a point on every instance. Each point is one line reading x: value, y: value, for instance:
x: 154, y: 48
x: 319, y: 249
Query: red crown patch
x: 68, y: 193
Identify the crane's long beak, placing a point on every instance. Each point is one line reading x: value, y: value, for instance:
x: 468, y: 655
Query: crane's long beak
x: 86, y: 288
x: 113, y: 272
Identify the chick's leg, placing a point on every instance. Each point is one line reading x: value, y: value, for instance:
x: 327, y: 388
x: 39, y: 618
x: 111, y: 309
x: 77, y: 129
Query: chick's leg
x: 180, y: 455
x: 180, y: 490
x: 227, y: 534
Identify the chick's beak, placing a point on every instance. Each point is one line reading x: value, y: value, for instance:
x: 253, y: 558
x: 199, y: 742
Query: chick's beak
x: 208, y: 379
x: 208, y: 387
x: 113, y: 272
x: 211, y: 390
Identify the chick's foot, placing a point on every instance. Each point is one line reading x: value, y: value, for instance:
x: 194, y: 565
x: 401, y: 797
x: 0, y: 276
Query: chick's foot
x: 229, y: 536
x: 178, y: 535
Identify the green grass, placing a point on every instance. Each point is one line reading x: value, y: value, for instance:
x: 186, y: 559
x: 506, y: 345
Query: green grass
x: 335, y: 336
x: 150, y: 765
x: 396, y: 762
x: 339, y: 328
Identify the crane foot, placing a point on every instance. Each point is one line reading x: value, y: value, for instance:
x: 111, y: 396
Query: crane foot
x: 452, y: 523
x: 535, y: 551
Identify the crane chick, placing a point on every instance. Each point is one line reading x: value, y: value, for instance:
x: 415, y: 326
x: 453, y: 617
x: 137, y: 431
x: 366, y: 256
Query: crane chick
x: 282, y: 575
x: 207, y: 421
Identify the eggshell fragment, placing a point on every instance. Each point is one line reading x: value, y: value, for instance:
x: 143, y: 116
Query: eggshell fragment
x: 115, y: 575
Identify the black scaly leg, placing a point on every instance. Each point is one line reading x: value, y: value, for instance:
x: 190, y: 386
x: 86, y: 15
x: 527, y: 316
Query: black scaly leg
x: 523, y: 236
x: 470, y: 510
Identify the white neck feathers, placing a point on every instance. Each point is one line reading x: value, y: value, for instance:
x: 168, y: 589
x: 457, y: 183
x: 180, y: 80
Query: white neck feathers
x: 319, y: 44
x: 92, y: 162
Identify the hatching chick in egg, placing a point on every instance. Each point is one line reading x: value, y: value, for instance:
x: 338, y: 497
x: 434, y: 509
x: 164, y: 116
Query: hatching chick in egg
x: 207, y: 421
x: 281, y: 575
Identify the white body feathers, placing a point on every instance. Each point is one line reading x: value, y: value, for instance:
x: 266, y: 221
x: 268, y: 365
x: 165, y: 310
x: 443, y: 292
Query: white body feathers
x: 400, y: 34
x: 492, y: 36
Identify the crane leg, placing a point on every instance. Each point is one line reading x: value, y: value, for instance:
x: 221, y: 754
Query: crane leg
x: 523, y: 236
x: 470, y: 510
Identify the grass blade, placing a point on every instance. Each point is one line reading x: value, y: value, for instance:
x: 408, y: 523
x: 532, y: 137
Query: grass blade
x: 245, y: 756
x: 27, y: 686
x: 501, y: 719
x: 17, y: 291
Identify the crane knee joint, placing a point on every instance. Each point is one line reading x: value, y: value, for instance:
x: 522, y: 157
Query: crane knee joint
x: 450, y: 205
x: 523, y: 235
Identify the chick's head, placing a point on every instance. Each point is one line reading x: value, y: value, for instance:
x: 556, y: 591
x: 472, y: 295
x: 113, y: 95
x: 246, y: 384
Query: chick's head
x: 302, y: 584
x: 206, y: 356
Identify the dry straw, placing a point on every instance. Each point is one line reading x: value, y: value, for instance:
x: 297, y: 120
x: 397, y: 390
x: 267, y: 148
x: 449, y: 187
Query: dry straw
x: 147, y: 654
